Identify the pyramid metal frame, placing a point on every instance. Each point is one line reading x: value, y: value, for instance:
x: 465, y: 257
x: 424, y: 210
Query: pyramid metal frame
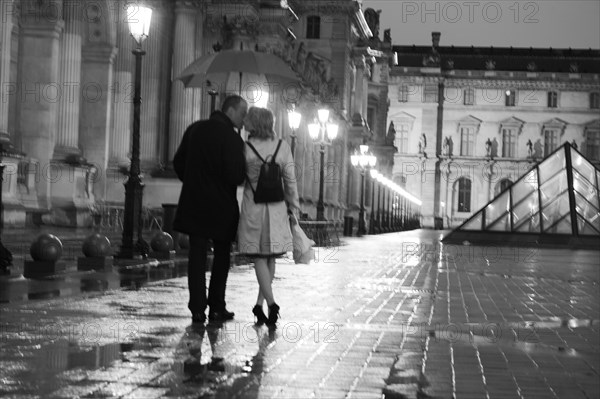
x: 571, y: 206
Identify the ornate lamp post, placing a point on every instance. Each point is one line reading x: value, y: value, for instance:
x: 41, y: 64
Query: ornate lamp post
x: 294, y: 118
x: 139, y: 26
x: 322, y: 132
x: 362, y: 160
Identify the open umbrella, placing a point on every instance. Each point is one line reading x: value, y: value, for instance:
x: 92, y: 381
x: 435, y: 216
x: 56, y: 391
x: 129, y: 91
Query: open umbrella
x: 219, y: 67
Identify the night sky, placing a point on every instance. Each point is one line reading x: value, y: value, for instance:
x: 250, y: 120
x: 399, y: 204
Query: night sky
x: 503, y: 23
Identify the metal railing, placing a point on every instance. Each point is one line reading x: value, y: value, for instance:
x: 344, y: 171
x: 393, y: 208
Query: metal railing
x: 323, y: 233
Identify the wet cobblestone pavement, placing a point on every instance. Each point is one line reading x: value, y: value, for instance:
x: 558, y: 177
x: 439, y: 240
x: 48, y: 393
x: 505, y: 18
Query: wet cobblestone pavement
x: 399, y: 315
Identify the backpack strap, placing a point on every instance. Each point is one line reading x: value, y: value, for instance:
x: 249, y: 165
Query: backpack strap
x: 256, y: 152
x: 276, y: 151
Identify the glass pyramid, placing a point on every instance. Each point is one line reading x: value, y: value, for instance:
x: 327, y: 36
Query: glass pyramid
x: 557, y: 196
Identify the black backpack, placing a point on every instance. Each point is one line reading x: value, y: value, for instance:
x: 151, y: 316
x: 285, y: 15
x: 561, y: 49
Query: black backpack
x: 270, y: 181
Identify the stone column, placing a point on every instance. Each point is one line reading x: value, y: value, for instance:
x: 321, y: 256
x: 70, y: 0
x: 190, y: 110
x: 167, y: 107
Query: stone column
x: 151, y: 98
x: 182, y: 99
x: 120, y: 135
x: 200, y: 98
x: 7, y: 8
x: 96, y: 110
x: 356, y: 188
x: 69, y: 80
x: 344, y: 165
x: 39, y: 62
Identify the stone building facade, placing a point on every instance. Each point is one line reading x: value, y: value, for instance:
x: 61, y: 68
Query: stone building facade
x: 468, y: 121
x: 66, y: 74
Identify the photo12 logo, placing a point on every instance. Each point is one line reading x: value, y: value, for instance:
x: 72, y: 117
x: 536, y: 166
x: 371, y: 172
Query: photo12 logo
x: 470, y: 11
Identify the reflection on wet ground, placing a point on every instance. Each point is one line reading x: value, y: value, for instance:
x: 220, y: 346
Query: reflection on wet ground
x: 205, y: 360
x: 379, y: 319
x: 23, y: 289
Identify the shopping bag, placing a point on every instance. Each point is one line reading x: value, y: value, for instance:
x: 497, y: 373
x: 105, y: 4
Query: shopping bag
x: 303, y: 246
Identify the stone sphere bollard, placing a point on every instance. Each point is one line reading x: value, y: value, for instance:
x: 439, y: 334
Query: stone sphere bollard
x: 162, y: 242
x: 96, y: 245
x: 184, y: 241
x: 47, y: 248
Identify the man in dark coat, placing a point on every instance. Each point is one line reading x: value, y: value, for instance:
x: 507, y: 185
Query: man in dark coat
x: 211, y: 164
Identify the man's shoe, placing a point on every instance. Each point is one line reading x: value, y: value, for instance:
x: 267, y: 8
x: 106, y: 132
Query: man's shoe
x: 222, y: 315
x: 198, y: 318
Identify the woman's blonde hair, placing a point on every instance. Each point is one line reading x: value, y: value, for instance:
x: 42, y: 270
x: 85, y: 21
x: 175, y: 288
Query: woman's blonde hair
x: 262, y: 121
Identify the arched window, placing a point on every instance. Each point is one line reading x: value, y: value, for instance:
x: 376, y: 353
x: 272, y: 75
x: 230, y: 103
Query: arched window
x: 464, y: 195
x: 501, y: 186
x: 313, y: 27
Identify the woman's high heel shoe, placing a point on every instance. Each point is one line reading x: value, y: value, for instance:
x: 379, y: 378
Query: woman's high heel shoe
x: 273, y: 314
x: 261, y: 317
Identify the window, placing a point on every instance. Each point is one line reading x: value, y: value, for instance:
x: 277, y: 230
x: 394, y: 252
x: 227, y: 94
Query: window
x: 552, y: 99
x: 509, y: 98
x: 501, y: 186
x: 550, y: 140
x: 403, y: 93
x: 595, y: 100
x: 313, y: 27
x: 430, y: 93
x: 509, y: 143
x: 402, y: 139
x: 464, y: 195
x: 592, y: 144
x: 469, y: 96
x: 467, y: 141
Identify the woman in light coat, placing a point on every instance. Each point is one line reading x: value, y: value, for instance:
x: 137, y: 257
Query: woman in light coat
x: 264, y: 230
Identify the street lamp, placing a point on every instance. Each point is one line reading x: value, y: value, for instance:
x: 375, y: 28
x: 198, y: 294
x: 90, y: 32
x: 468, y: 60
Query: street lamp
x: 322, y: 132
x: 294, y: 118
x: 362, y: 160
x: 139, y: 26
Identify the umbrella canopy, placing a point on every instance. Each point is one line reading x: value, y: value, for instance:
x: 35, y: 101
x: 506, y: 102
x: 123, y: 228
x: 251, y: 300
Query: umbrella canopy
x: 218, y: 68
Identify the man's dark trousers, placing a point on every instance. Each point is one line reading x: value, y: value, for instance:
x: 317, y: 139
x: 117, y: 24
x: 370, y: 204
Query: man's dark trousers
x: 197, y: 274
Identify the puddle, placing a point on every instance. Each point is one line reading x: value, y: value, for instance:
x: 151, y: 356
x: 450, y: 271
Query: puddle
x: 63, y: 355
x: 208, y: 362
x: 559, y: 323
x: 24, y: 289
x: 525, y: 336
x: 62, y: 363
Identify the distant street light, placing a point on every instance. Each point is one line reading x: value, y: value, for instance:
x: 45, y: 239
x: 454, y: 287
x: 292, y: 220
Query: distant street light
x: 362, y: 160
